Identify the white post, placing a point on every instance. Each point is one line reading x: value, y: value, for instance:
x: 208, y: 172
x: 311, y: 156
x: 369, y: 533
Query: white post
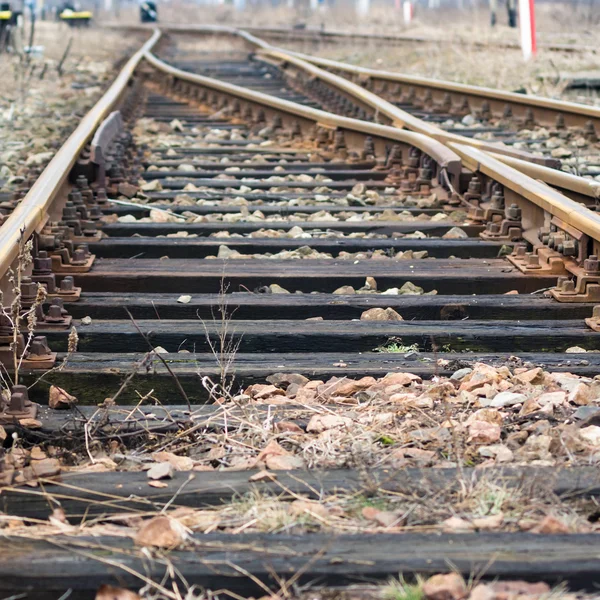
x: 362, y: 7
x: 527, y: 28
x: 314, y: 4
x: 407, y: 11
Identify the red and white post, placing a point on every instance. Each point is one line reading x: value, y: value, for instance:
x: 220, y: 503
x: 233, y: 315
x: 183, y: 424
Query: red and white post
x: 527, y: 25
x: 407, y: 11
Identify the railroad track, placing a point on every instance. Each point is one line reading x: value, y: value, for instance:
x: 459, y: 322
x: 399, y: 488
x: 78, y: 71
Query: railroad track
x: 299, y: 338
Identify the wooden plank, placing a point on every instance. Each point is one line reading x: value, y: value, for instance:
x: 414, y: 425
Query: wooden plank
x: 329, y: 336
x: 92, y: 377
x: 126, y: 247
x: 84, y: 496
x: 447, y: 276
x: 380, y: 227
x: 218, y: 561
x: 244, y: 305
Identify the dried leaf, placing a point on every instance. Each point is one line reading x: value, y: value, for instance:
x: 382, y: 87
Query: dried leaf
x: 262, y: 476
x: 161, y: 532
x: 158, y: 484
x: 180, y: 463
x: 60, y: 399
x: 109, y: 592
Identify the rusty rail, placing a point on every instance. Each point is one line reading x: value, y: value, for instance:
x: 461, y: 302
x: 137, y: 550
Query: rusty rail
x: 543, y: 109
x: 32, y: 212
x: 445, y: 157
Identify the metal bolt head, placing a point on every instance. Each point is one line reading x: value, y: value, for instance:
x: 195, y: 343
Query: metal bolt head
x: 39, y: 346
x: 513, y: 212
x: 21, y: 389
x: 67, y: 284
x: 591, y: 264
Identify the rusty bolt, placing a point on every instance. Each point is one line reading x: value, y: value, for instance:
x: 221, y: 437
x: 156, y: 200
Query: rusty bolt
x: 21, y: 389
x: 67, y: 284
x: 54, y: 314
x: 39, y: 348
x: 566, y: 286
x: 560, y: 121
x: 82, y: 182
x: 369, y: 147
x: 28, y: 289
x: 591, y: 264
x: 589, y: 132
x: 596, y: 312
x: 16, y: 405
x: 513, y: 212
x: 475, y: 185
x: 529, y: 119
x: 42, y: 263
x: 79, y: 256
x: 339, y: 140
x: 533, y: 261
x: 507, y: 113
x: 569, y: 247
x: 101, y: 197
x: 493, y: 228
x: 520, y: 250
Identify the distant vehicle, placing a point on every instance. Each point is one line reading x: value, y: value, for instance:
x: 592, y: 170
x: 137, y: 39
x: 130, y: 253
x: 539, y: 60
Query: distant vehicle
x: 11, y: 25
x: 8, y: 16
x: 75, y: 18
x: 148, y: 13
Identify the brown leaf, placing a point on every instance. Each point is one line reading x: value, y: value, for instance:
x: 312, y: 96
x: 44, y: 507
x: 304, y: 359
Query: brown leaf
x: 457, y: 525
x: 490, y: 522
x: 271, y: 449
x: 109, y: 592
x: 551, y: 524
x: 48, y: 467
x: 161, y: 532
x: 449, y: 586
x: 284, y: 462
x: 385, y: 518
x: 300, y: 507
x: 158, y: 484
x: 60, y: 399
x: 180, y: 463
x: 288, y: 427
x: 262, y: 476
x: 30, y: 423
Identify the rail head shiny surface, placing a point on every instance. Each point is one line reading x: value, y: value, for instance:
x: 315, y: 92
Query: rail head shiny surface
x: 31, y: 211
x: 444, y: 156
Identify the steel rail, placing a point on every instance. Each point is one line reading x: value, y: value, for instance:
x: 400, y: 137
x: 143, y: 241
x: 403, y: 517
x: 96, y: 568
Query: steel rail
x: 578, y: 185
x: 586, y: 188
x: 31, y: 213
x: 397, y: 116
x: 574, y: 113
x: 501, y: 169
x: 445, y: 157
x: 540, y: 194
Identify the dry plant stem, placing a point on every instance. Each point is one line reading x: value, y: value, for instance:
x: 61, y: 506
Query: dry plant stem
x: 15, y: 315
x: 164, y: 362
x: 226, y: 348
